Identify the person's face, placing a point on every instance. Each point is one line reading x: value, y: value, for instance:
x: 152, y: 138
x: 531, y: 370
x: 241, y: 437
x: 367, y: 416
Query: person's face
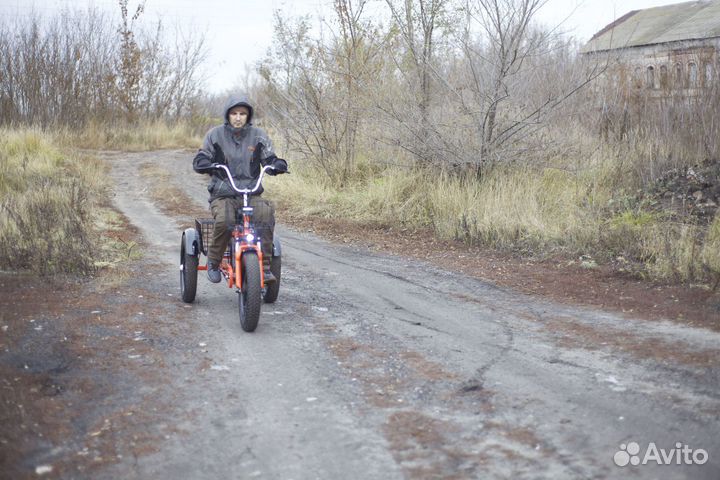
x: 238, y: 116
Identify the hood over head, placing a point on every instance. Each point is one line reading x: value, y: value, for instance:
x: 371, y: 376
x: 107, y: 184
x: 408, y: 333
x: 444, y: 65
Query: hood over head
x: 238, y: 101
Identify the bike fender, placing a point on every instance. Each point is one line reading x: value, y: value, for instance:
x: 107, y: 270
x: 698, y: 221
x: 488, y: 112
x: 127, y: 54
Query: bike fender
x: 277, y: 248
x: 192, y: 242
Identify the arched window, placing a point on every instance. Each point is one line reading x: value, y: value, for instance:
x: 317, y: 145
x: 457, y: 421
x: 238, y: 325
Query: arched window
x: 663, y: 77
x: 692, y: 75
x: 637, y: 77
x: 678, y: 76
x: 650, y: 78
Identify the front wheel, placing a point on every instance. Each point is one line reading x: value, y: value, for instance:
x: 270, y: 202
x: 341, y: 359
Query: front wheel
x: 250, y: 296
x: 188, y: 274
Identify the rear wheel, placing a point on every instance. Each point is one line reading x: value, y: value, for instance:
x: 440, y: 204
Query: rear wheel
x: 188, y: 274
x: 272, y: 291
x: 250, y: 297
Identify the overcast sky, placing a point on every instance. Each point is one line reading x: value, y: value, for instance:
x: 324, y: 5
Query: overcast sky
x: 240, y: 31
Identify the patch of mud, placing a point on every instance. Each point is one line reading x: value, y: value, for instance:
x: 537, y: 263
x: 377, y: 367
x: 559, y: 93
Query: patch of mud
x: 573, y: 334
x: 412, y: 393
x: 388, y: 378
x: 430, y: 448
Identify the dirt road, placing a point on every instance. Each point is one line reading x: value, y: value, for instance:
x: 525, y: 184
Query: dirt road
x: 368, y: 366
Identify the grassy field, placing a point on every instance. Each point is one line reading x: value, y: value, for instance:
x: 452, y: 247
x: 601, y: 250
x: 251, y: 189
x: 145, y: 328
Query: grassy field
x: 56, y: 215
x: 144, y: 136
x: 540, y: 211
x: 47, y: 199
x: 56, y: 218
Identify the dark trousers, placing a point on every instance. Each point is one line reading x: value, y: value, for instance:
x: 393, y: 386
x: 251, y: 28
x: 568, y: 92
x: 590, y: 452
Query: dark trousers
x: 224, y: 211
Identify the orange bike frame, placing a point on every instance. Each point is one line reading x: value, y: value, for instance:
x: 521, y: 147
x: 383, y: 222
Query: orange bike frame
x: 238, y: 236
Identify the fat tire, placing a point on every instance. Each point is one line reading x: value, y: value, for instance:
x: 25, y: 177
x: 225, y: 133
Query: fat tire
x: 272, y: 291
x: 188, y: 274
x: 250, y: 297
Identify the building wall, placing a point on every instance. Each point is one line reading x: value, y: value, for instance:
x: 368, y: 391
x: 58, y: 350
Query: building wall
x: 676, y: 69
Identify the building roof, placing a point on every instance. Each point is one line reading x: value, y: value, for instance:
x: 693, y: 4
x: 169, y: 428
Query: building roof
x: 671, y: 23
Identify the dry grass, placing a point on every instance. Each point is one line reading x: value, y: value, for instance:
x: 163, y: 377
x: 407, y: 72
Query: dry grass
x: 683, y: 252
x: 507, y: 208
x: 559, y: 208
x: 143, y: 136
x: 53, y: 215
x: 118, y: 241
x: 46, y: 200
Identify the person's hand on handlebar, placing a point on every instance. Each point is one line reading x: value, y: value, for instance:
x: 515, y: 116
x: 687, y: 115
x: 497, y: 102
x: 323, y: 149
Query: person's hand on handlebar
x: 279, y: 166
x: 207, y: 168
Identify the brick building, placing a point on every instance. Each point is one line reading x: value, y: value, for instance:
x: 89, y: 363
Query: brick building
x: 669, y: 50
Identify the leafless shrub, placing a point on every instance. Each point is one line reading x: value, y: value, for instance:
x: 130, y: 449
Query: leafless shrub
x: 422, y: 27
x: 317, y: 88
x: 520, y: 142
x: 80, y: 66
x: 483, y: 101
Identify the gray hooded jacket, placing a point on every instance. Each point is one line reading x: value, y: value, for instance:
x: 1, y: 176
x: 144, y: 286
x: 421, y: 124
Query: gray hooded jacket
x: 244, y: 150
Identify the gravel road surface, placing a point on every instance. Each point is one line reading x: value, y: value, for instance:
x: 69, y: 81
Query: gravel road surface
x: 372, y: 366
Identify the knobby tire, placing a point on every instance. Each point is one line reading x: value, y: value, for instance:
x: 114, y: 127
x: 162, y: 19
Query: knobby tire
x: 188, y: 274
x: 250, y: 298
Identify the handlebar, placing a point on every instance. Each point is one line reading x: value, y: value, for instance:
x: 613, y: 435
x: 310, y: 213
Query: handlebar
x: 244, y: 190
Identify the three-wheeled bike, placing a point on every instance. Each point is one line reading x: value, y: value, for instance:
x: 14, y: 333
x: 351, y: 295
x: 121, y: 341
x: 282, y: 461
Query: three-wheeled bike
x: 242, y: 263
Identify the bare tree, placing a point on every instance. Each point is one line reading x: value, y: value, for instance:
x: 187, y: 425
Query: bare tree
x: 492, y: 64
x: 505, y: 60
x: 418, y: 22
x: 129, y: 68
x: 295, y: 85
x: 170, y: 73
x: 485, y: 99
x: 72, y: 69
x: 317, y: 87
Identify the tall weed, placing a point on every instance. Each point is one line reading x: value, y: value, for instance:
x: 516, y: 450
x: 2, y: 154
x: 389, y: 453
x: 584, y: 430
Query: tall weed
x: 683, y: 251
x: 46, y: 200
